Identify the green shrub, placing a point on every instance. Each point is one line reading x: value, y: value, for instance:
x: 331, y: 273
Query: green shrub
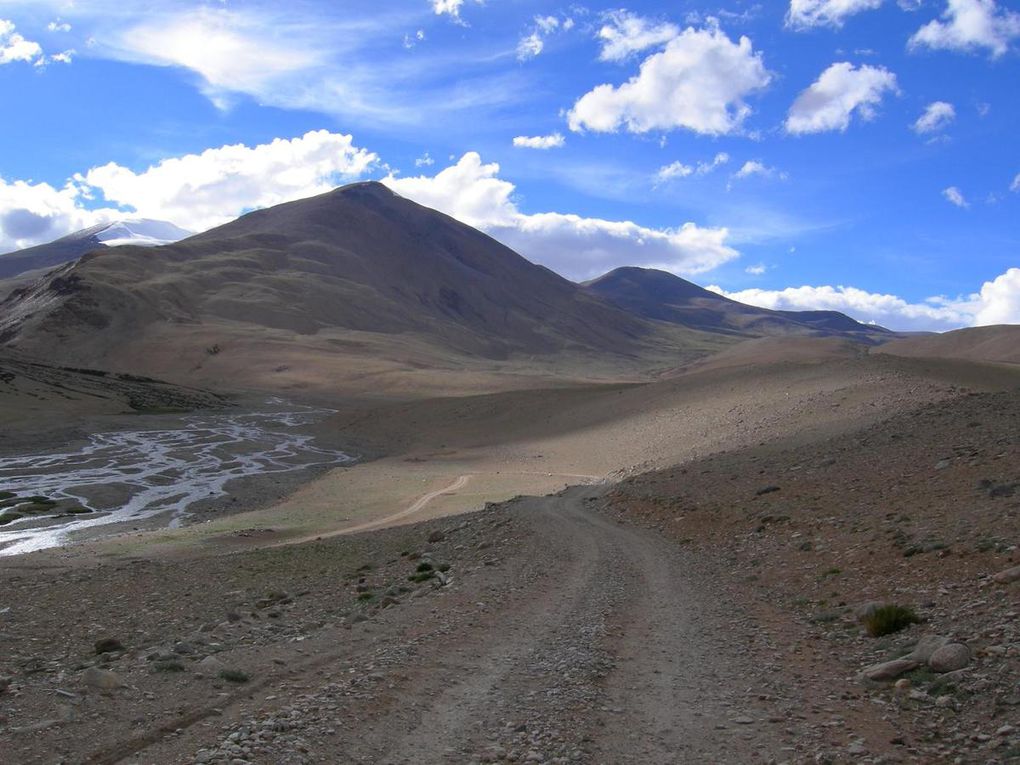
x: 423, y: 567
x: 886, y: 620
x: 234, y: 676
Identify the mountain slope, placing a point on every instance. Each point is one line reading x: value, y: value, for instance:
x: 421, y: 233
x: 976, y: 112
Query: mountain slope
x: 296, y: 291
x: 663, y: 296
x: 141, y: 231
x: 999, y: 344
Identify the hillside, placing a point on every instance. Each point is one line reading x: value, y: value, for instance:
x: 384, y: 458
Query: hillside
x: 663, y: 296
x: 998, y: 344
x: 356, y: 286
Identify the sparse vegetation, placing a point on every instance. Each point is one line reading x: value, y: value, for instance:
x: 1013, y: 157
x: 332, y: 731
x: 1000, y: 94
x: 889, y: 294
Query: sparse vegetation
x: 234, y: 676
x: 885, y: 620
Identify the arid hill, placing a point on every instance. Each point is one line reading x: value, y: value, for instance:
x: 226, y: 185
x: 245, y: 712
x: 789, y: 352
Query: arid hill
x: 358, y: 284
x: 998, y: 344
x: 663, y: 296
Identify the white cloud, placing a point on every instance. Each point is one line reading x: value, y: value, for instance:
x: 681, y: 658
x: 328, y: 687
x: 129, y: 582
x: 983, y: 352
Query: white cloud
x: 955, y: 196
x: 530, y: 46
x: 805, y: 14
x: 680, y: 170
x: 969, y: 25
x: 937, y: 116
x: 624, y: 33
x: 533, y: 43
x: 198, y: 191
x: 839, y: 92
x: 551, y: 141
x: 717, y: 161
x: 58, y: 26
x: 754, y: 167
x: 424, y: 161
x: 577, y: 247
x: 757, y: 269
x: 997, y: 302
x: 699, y: 82
x: 14, y: 47
x: 1015, y: 185
x: 673, y: 170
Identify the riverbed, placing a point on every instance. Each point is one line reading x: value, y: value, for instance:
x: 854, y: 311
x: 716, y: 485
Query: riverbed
x: 128, y: 476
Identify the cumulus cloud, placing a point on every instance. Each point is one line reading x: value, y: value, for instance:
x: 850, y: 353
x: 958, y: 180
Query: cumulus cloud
x: 937, y: 117
x: 805, y: 14
x: 840, y: 92
x: 14, y: 47
x: 699, y: 82
x: 198, y: 191
x: 574, y: 246
x: 997, y: 302
x: 955, y: 196
x: 624, y: 34
x: 970, y: 25
x: 551, y: 141
x: 34, y: 213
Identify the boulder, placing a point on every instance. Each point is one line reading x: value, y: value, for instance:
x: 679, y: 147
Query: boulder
x: 926, y: 646
x: 949, y: 658
x: 210, y: 665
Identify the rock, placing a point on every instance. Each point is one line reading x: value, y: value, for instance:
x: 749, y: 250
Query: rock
x: 108, y: 645
x: 743, y: 721
x: 101, y: 679
x: 183, y: 648
x: 903, y: 684
x: 926, y: 646
x: 210, y: 665
x: 890, y: 670
x: 1007, y: 576
x: 5, y: 683
x: 436, y: 536
x: 766, y: 490
x: 950, y: 658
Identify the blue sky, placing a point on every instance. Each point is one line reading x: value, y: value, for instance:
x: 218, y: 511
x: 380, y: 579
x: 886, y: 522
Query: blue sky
x: 862, y: 155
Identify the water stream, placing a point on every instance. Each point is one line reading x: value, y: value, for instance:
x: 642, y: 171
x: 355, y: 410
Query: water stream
x: 137, y: 474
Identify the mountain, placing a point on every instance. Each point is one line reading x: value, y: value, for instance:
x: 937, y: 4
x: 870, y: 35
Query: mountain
x: 663, y: 296
x: 141, y: 231
x: 354, y: 285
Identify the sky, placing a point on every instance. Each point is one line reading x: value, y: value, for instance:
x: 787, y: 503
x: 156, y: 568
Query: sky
x: 856, y: 155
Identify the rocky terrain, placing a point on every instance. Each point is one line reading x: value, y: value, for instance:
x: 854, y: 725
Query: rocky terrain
x: 919, y: 511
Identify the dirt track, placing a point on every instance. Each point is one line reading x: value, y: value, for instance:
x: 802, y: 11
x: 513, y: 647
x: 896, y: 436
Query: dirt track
x: 562, y: 637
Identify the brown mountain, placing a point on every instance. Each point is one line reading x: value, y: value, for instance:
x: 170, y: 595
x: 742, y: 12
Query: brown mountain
x: 659, y: 295
x: 352, y: 285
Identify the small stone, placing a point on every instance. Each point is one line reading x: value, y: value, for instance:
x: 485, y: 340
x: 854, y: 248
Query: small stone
x: 210, y: 665
x: 950, y: 658
x: 108, y: 645
x: 903, y: 684
x: 101, y: 679
x: 5, y: 683
x: 1007, y: 576
x: 1005, y: 730
x: 743, y: 720
x: 890, y: 670
x: 766, y: 490
x: 436, y: 536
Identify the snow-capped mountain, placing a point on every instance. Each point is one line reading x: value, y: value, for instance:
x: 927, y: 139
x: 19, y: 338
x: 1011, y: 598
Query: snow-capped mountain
x: 142, y: 232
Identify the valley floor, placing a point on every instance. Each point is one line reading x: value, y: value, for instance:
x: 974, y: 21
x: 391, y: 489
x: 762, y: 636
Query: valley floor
x: 696, y: 604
